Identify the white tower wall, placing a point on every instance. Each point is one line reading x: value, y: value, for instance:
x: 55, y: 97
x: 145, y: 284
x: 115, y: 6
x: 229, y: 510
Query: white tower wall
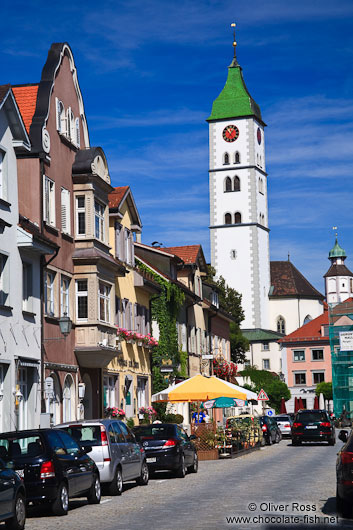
x: 240, y: 252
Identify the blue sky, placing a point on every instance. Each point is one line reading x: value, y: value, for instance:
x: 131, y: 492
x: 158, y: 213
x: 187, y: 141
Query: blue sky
x: 149, y: 71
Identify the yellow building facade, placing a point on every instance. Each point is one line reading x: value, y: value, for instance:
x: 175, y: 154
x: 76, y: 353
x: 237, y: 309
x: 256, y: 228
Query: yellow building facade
x: 128, y: 376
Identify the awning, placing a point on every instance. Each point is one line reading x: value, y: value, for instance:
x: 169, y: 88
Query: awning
x: 29, y: 363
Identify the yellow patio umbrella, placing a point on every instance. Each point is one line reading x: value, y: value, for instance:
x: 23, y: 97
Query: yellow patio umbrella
x: 198, y: 388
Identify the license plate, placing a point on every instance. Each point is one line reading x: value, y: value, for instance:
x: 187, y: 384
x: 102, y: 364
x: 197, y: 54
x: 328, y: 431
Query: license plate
x: 311, y: 427
x: 20, y: 472
x: 151, y: 460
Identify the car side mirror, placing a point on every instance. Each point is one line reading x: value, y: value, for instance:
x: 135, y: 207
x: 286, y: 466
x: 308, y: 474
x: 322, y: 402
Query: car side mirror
x: 86, y: 449
x: 193, y: 437
x: 343, y: 435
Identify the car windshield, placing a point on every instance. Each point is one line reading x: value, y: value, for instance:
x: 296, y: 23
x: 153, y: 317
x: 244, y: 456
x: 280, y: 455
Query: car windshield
x: 154, y: 432
x: 14, y: 447
x: 89, y: 435
x: 311, y: 416
x: 282, y: 418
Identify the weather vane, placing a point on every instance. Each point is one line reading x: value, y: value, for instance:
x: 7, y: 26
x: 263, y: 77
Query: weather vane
x: 335, y: 228
x: 234, y: 42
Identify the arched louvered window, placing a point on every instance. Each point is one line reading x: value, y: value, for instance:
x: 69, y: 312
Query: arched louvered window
x: 237, y: 218
x: 237, y: 158
x: 228, y: 184
x: 227, y: 219
x: 281, y: 325
x: 226, y: 159
x: 307, y: 319
x: 236, y: 183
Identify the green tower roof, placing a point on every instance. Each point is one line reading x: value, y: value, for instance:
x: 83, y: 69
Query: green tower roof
x: 337, y: 251
x: 234, y: 101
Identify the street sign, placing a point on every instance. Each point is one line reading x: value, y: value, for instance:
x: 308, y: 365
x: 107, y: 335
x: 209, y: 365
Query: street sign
x: 262, y: 396
x: 269, y: 413
x: 207, y: 356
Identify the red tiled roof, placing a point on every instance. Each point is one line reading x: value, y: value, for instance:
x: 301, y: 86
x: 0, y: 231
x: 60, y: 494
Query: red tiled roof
x: 187, y: 253
x: 310, y: 331
x: 116, y: 196
x: 26, y: 99
x: 286, y: 280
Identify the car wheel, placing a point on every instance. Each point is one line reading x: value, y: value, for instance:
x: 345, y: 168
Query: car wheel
x: 61, y: 504
x: 332, y: 441
x: 343, y: 507
x: 116, y: 485
x: 181, y: 471
x: 277, y: 438
x: 17, y: 522
x: 94, y: 493
x: 269, y: 440
x: 143, y: 478
x: 195, y: 466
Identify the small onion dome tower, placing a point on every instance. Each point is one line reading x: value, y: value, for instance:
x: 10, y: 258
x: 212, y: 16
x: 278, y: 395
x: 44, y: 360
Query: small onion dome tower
x: 338, y: 279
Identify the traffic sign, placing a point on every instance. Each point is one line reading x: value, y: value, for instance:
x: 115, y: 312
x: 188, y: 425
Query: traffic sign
x: 269, y: 413
x: 262, y: 396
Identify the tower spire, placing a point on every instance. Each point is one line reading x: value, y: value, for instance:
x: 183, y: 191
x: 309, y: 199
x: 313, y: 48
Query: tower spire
x: 234, y: 62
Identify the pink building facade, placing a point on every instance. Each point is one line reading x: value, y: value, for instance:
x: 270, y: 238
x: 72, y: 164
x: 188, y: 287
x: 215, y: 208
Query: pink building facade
x: 306, y: 360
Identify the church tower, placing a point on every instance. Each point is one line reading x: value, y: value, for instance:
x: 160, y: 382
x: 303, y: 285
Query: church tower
x: 338, y: 279
x: 238, y: 196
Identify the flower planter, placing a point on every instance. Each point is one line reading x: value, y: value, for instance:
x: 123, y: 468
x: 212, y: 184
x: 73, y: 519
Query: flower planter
x: 130, y: 341
x: 208, y: 454
x: 139, y: 343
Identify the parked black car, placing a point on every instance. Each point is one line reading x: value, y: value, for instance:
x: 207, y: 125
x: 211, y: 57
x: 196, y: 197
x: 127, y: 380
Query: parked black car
x: 12, y: 498
x: 270, y: 430
x: 53, y: 467
x: 167, y: 447
x: 313, y: 426
x: 344, y: 475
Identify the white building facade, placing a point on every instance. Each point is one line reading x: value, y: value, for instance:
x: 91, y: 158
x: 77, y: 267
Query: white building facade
x: 20, y: 307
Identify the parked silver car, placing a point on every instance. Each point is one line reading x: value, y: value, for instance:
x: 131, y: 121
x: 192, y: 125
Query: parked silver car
x: 284, y: 423
x: 118, y: 456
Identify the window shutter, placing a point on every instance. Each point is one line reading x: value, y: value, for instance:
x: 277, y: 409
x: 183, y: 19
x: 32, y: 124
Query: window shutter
x: 147, y: 321
x: 45, y: 199
x: 63, y: 211
x: 77, y: 131
x: 132, y: 324
x: 117, y: 240
x: 58, y: 117
x: 137, y: 320
x: 117, y: 311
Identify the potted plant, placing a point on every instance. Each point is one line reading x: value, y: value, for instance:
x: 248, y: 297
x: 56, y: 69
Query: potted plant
x: 147, y: 414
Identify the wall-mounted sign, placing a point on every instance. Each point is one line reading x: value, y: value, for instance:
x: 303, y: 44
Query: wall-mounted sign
x: 346, y: 340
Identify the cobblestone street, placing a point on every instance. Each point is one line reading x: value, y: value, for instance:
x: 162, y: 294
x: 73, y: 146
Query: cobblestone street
x: 281, y: 481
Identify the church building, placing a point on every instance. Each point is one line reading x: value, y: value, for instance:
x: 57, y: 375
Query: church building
x: 276, y: 298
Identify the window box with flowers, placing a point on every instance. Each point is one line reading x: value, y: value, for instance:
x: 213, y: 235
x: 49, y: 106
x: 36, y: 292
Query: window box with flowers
x: 131, y: 337
x: 224, y: 369
x: 114, y: 412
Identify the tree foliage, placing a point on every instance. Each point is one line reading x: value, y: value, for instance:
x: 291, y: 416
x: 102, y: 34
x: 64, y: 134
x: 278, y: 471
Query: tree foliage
x: 270, y: 382
x: 325, y: 389
x: 230, y: 301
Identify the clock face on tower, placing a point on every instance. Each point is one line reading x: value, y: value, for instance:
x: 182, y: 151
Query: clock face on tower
x: 230, y: 133
x: 259, y: 137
